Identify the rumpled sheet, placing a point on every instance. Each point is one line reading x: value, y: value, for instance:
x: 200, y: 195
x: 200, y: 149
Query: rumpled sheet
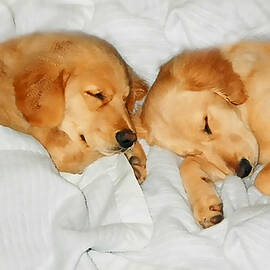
x: 47, y: 222
x: 147, y: 33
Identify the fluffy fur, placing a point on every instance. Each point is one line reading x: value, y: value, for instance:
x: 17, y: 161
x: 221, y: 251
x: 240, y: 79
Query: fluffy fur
x: 73, y: 92
x: 212, y: 107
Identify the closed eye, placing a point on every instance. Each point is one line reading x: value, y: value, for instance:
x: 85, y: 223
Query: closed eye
x: 82, y: 138
x: 206, y: 126
x: 96, y: 95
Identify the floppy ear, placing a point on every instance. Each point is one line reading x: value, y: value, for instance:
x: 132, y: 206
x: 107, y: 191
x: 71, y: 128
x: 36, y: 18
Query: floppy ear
x: 141, y: 131
x: 39, y: 94
x: 138, y: 89
x: 209, y: 70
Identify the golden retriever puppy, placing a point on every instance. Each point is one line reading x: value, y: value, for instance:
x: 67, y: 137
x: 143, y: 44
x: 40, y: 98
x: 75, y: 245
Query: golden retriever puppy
x: 212, y: 107
x: 75, y: 94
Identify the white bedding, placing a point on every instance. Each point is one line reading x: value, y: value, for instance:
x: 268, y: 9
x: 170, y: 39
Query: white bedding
x: 107, y: 222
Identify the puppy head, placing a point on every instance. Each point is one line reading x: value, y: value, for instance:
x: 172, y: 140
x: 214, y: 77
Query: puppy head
x: 95, y: 112
x: 101, y: 93
x: 193, y: 108
x: 84, y: 89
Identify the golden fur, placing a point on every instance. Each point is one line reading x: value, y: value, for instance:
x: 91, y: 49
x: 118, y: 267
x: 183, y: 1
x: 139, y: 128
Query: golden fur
x: 73, y: 92
x: 212, y: 107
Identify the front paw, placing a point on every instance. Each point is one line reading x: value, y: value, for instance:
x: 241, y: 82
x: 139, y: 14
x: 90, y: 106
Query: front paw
x: 139, y: 168
x: 208, y: 211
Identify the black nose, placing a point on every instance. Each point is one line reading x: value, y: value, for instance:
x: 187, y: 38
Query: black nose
x: 244, y: 168
x: 126, y: 138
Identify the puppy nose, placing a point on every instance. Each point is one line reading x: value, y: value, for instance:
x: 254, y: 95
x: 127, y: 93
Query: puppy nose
x: 244, y: 168
x: 126, y: 138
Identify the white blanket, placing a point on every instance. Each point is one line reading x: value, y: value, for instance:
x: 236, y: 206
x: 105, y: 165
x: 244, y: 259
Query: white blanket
x: 48, y: 223
x: 104, y: 223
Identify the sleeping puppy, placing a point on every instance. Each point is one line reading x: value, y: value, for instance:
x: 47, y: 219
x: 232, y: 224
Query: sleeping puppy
x: 212, y: 107
x: 75, y: 94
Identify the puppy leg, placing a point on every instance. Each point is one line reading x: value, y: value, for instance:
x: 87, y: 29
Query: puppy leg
x: 137, y: 159
x: 206, y: 205
x: 262, y: 181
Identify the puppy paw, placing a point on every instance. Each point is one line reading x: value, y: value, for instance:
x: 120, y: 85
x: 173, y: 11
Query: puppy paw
x: 139, y: 168
x: 208, y: 212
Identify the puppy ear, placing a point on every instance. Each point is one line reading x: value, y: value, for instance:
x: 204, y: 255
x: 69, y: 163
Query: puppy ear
x: 39, y: 92
x: 209, y: 70
x: 140, y: 129
x: 138, y: 89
